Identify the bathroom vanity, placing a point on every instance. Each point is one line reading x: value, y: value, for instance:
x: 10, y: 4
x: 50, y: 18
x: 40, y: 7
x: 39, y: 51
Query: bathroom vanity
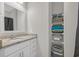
x: 12, y: 19
x: 19, y: 46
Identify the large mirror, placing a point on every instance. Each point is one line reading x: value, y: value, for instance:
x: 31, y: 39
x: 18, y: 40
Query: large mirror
x: 13, y: 18
x: 10, y: 18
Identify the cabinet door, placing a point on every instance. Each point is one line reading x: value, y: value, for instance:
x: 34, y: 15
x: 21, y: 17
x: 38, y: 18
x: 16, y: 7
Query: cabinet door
x: 16, y: 54
x: 26, y: 52
x: 33, y: 48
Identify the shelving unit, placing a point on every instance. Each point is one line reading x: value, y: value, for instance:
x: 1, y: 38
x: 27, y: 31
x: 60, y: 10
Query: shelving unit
x: 57, y: 30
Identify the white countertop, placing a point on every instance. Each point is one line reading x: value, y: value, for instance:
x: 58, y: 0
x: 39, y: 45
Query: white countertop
x: 9, y: 41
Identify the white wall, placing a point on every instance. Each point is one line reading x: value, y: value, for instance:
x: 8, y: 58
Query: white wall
x: 21, y: 21
x: 70, y: 25
x: 1, y: 17
x: 37, y: 16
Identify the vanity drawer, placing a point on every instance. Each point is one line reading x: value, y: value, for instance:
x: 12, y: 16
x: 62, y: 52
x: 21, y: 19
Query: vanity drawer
x: 10, y: 49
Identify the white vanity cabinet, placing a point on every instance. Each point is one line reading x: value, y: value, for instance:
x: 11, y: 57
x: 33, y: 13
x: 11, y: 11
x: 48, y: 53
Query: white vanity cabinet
x: 27, y: 48
x: 25, y: 52
x: 21, y: 53
x: 16, y: 54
